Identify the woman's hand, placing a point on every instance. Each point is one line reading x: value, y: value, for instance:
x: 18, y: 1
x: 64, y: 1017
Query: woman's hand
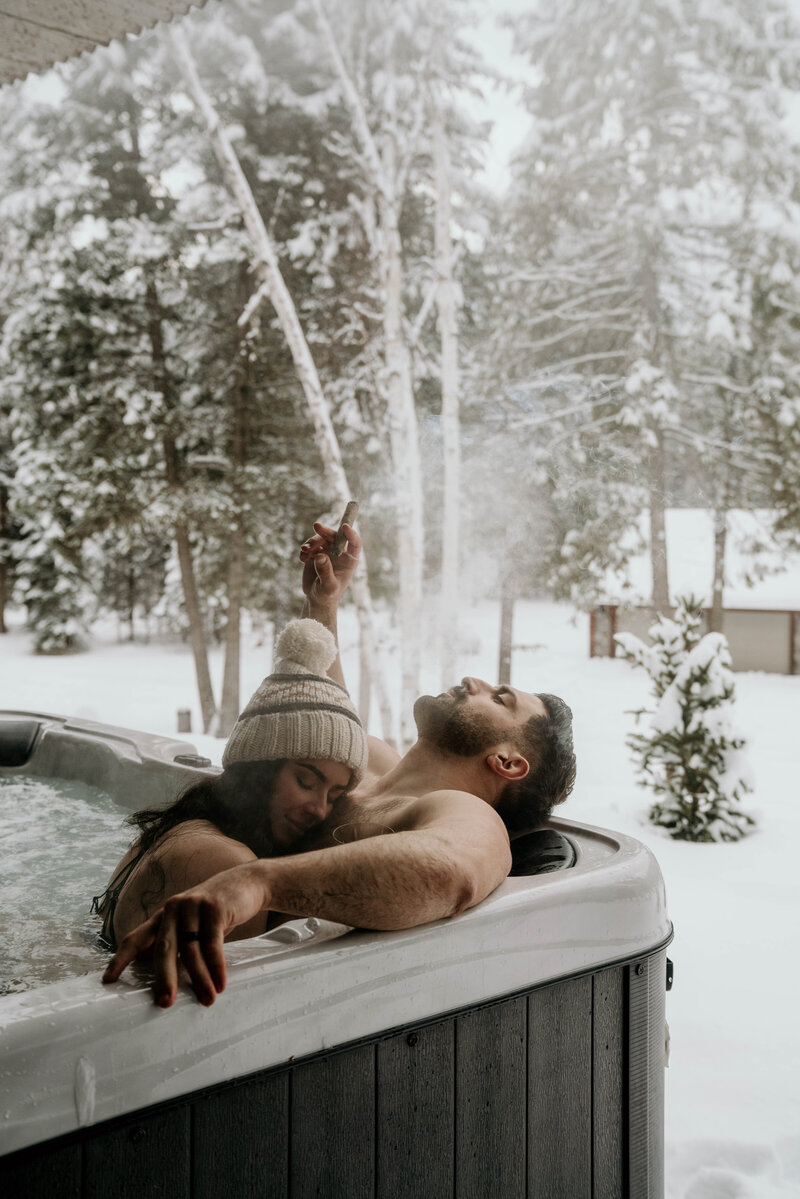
x: 191, y: 928
x: 325, y: 579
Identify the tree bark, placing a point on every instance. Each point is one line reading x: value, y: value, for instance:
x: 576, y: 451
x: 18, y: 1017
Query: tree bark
x: 3, y: 596
x: 197, y: 636
x: 269, y: 273
x: 507, y: 598
x: 658, y: 528
x: 130, y: 597
x: 720, y: 546
x: 447, y: 304
x: 3, y: 562
x: 403, y: 442
x: 364, y: 682
x: 384, y: 175
x: 229, y: 701
x: 191, y: 599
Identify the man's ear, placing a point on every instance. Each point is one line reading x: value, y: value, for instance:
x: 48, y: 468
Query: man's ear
x: 511, y: 767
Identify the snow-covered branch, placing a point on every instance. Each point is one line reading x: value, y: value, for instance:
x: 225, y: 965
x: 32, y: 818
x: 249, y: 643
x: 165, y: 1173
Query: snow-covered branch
x: 354, y: 102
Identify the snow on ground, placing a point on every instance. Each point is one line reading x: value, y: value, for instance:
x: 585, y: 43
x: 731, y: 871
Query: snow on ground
x: 690, y: 553
x: 733, y: 1096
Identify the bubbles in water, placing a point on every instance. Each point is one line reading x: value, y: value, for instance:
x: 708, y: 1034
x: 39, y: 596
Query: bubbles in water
x: 59, y: 842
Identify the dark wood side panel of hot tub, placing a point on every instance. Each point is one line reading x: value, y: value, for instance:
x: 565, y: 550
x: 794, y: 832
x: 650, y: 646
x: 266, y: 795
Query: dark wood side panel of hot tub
x: 415, y: 1110
x: 527, y: 1098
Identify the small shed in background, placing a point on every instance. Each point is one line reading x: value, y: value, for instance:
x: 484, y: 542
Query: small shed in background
x: 761, y: 614
x: 759, y: 638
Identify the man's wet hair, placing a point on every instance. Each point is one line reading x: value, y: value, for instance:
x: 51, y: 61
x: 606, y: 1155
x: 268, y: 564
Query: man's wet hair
x: 546, y: 742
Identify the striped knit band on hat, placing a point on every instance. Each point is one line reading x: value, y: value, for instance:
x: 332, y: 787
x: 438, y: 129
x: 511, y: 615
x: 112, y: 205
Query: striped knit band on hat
x: 298, y: 712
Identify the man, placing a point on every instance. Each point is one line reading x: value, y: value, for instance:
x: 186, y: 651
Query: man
x: 487, y: 759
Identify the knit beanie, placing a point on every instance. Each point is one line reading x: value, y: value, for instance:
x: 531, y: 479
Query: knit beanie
x: 298, y: 712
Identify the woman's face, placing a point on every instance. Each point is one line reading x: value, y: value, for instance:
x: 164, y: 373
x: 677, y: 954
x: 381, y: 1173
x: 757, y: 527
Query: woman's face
x: 303, y: 794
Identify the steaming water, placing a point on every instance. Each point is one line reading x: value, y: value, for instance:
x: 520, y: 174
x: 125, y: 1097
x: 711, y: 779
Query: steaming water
x: 59, y: 842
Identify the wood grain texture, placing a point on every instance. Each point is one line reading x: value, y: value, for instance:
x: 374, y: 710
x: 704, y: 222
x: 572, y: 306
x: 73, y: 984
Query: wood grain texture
x: 415, y: 1114
x: 560, y: 1091
x: 240, y: 1141
x: 491, y: 1063
x: 608, y: 1088
x: 148, y: 1157
x: 42, y: 1171
x: 333, y: 1127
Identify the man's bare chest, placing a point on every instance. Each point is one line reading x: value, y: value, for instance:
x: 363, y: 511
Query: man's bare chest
x: 354, y: 819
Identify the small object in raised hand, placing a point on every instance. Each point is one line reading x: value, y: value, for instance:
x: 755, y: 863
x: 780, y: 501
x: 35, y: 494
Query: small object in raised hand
x: 340, y: 540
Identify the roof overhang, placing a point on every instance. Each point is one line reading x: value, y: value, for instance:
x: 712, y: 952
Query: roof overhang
x: 36, y: 34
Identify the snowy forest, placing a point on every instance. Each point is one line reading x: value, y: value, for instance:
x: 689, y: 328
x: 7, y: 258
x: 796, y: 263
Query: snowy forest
x: 251, y: 269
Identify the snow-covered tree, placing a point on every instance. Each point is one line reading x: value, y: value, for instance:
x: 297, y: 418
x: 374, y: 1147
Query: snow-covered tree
x: 656, y: 167
x: 691, y: 756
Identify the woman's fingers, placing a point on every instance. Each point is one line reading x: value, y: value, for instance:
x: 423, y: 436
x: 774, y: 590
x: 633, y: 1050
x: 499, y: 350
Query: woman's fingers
x: 165, y: 956
x: 212, y: 937
x: 188, y: 930
x: 192, y: 948
x: 131, y: 947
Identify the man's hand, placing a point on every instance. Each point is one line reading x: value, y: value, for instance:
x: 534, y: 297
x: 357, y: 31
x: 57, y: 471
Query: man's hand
x: 191, y: 928
x: 325, y: 579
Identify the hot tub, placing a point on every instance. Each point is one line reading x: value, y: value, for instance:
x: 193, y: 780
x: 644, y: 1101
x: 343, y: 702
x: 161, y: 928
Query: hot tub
x: 515, y: 1050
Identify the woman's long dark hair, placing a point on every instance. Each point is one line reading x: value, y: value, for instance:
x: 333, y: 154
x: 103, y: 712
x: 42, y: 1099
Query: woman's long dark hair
x: 237, y: 802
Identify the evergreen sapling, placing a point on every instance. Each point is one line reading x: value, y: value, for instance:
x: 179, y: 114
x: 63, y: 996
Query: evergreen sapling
x: 692, y: 756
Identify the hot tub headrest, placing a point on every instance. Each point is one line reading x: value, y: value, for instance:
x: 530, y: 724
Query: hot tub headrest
x: 17, y: 739
x: 540, y: 852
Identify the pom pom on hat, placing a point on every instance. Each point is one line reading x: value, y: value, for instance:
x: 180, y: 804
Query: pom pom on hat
x: 305, y: 643
x: 297, y: 712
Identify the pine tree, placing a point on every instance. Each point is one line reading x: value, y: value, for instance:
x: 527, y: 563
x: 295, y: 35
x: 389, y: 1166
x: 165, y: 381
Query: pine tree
x: 657, y: 180
x: 691, y: 757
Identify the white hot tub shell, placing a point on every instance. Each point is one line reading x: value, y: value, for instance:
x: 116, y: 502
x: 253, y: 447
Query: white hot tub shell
x: 566, y: 971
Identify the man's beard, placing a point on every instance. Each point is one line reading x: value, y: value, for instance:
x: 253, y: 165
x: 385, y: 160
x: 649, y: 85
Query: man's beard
x: 452, y: 727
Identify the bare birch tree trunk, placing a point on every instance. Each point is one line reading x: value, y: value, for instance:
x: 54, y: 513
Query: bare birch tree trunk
x: 658, y: 526
x: 364, y: 681
x: 197, y: 633
x: 384, y: 173
x: 507, y: 597
x: 191, y: 599
x: 409, y: 542
x: 718, y: 585
x: 229, y: 700
x: 269, y: 273
x: 3, y: 563
x: 447, y: 304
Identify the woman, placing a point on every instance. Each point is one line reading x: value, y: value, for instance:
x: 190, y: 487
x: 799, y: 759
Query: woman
x: 295, y: 750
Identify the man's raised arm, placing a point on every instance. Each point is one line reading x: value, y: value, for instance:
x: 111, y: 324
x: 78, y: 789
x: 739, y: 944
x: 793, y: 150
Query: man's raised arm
x: 454, y: 854
x: 326, y: 579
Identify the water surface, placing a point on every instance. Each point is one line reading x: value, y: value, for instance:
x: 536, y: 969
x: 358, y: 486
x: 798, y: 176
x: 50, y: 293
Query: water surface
x: 59, y: 842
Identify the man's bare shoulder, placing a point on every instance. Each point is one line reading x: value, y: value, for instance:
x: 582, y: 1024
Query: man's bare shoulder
x: 449, y: 806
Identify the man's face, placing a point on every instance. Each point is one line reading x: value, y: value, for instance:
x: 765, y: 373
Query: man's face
x: 473, y: 716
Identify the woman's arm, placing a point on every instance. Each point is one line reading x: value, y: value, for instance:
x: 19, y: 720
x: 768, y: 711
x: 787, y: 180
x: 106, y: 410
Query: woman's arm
x: 189, y: 855
x: 453, y: 851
